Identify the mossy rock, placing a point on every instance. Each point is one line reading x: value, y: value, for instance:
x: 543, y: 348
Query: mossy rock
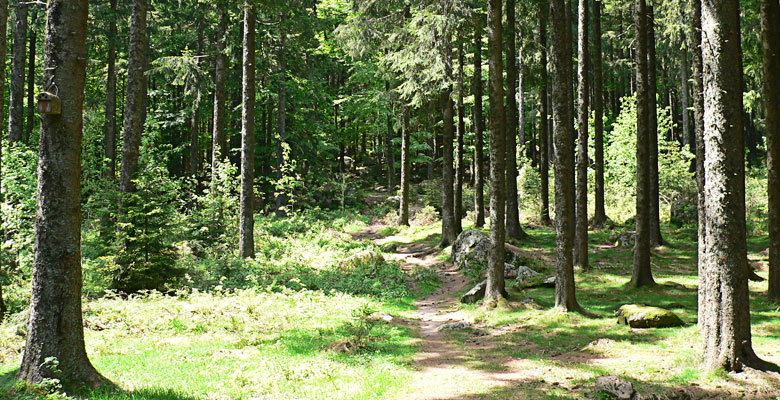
x: 642, y: 316
x: 362, y: 259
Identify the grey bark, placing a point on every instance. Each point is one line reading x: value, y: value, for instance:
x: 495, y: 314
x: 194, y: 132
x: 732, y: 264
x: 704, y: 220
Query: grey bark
x: 656, y: 238
x: 388, y: 145
x: 600, y: 215
x: 479, y: 127
x: 770, y: 11
x: 698, y: 123
x: 544, y: 134
x: 55, y: 323
x: 513, y: 228
x: 31, y: 103
x: 460, y: 168
x: 641, y: 274
x: 3, y: 43
x: 109, y: 130
x: 218, y: 137
x: 16, y: 94
x: 246, y: 239
x: 405, y: 167
x: 135, y: 100
x: 195, y: 118
x: 581, y: 212
x: 281, y: 120
x: 688, y: 136
x: 448, y: 230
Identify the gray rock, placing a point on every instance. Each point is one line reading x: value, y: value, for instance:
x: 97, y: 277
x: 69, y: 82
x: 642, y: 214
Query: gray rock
x: 470, y: 250
x: 618, y: 387
x: 524, y: 273
x: 454, y: 326
x: 623, y: 240
x: 536, y: 281
x: 641, y: 316
x: 474, y: 295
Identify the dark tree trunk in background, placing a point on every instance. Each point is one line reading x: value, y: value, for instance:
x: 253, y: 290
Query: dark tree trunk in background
x: 388, y: 145
x: 135, y: 100
x: 495, y: 273
x: 218, y: 137
x: 246, y: 236
x: 3, y: 43
x: 544, y: 135
x: 581, y: 234
x: 698, y: 124
x: 523, y: 139
x: 281, y: 120
x: 726, y: 315
x: 31, y: 103
x: 513, y: 228
x: 600, y: 215
x: 109, y: 130
x: 448, y: 230
x: 656, y: 239
x: 565, y: 297
x: 770, y: 32
x: 460, y: 168
x: 195, y: 118
x: 16, y: 94
x: 479, y: 127
x: 688, y: 136
x: 405, y: 167
x: 55, y: 324
x: 641, y: 274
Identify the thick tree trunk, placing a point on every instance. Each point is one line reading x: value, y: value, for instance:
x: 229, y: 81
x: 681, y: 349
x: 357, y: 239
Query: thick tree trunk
x: 31, y: 104
x: 600, y: 215
x: 770, y: 30
x: 479, y: 127
x: 16, y: 94
x: 642, y: 274
x: 565, y: 297
x: 135, y: 99
x: 218, y: 137
x: 495, y: 273
x: 55, y: 323
x: 544, y: 134
x: 448, y: 230
x: 109, y: 130
x: 656, y: 238
x: 246, y: 238
x: 698, y: 124
x: 405, y: 167
x: 513, y: 228
x: 581, y: 234
x: 460, y: 168
x: 281, y: 121
x: 726, y: 315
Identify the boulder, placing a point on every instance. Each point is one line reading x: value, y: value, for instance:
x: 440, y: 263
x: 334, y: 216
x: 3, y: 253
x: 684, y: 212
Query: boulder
x: 537, y: 281
x: 617, y: 387
x: 470, y: 250
x: 642, y: 316
x: 474, y: 295
x: 623, y: 240
x: 452, y: 326
x: 511, y: 272
x: 363, y: 258
x: 523, y: 273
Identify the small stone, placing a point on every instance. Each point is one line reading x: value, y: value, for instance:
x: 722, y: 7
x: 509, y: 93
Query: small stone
x: 476, y: 294
x: 454, y: 326
x: 618, y: 387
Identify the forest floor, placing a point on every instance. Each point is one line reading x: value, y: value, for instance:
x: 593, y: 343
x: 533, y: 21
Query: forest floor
x: 312, y: 332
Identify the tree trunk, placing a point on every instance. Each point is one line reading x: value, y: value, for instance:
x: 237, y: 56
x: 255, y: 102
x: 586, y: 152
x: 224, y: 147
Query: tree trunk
x: 135, y: 99
x: 479, y: 127
x: 405, y: 167
x: 513, y: 228
x: 460, y: 168
x: 495, y: 273
x: 388, y: 147
x: 523, y: 139
x: 641, y: 274
x: 246, y: 240
x: 31, y: 103
x: 698, y: 123
x: 565, y: 297
x: 688, y: 135
x: 581, y: 233
x: 600, y: 215
x: 281, y: 120
x: 770, y: 29
x: 219, y: 139
x: 3, y: 43
x: 109, y: 130
x: 55, y: 324
x: 544, y: 135
x: 195, y: 121
x: 726, y: 314
x: 656, y: 238
x: 16, y: 94
x: 448, y: 229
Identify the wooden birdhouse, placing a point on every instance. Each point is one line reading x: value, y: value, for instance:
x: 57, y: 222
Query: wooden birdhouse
x: 49, y: 104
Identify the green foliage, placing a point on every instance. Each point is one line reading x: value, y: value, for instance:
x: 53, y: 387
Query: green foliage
x: 213, y: 218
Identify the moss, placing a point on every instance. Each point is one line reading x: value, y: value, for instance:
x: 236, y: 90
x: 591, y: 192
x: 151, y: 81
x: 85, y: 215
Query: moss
x: 641, y: 316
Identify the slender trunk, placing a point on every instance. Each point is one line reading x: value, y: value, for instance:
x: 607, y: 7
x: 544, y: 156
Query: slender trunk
x: 460, y: 168
x: 246, y: 240
x: 405, y: 167
x: 698, y: 123
x: 388, y: 147
x: 31, y: 105
x: 581, y: 212
x: 195, y: 121
x: 495, y: 273
x: 688, y: 135
x: 770, y: 29
x: 135, y: 99
x: 55, y: 327
x: 479, y: 127
x: 3, y: 43
x: 544, y: 135
x: 523, y: 139
x: 16, y: 94
x: 219, y: 140
x: 565, y: 297
x: 600, y: 215
x: 513, y: 228
x: 109, y: 130
x: 448, y: 229
x: 281, y: 121
x: 656, y: 238
x: 642, y: 274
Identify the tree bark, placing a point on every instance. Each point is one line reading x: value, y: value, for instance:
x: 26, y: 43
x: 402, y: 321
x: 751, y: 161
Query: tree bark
x: 565, y: 297
x: 16, y: 94
x: 495, y: 274
x: 388, y: 147
x: 479, y: 127
x: 246, y: 240
x: 600, y: 215
x: 688, y: 135
x: 55, y: 323
x: 31, y: 103
x: 656, y: 238
x: 581, y: 213
x: 135, y: 100
x: 544, y: 135
x: 460, y: 168
x: 513, y: 228
x: 109, y: 130
x: 642, y: 274
x: 448, y: 230
x: 3, y: 43
x: 770, y: 32
x: 195, y: 118
x: 698, y: 123
x: 405, y: 167
x: 281, y: 120
x: 726, y: 314
x: 218, y: 137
